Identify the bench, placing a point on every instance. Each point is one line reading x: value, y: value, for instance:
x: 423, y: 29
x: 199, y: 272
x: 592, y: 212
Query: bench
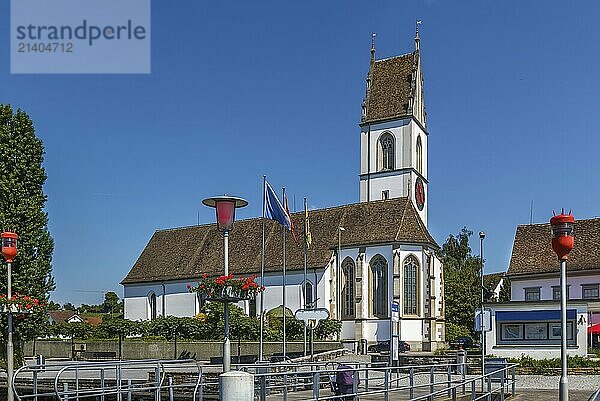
x: 99, y: 355
x: 242, y: 360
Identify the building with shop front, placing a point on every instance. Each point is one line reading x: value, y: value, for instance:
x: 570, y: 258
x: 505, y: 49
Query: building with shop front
x: 529, y: 323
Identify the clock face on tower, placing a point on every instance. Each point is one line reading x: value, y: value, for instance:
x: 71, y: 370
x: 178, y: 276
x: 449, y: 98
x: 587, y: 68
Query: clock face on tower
x: 420, y: 193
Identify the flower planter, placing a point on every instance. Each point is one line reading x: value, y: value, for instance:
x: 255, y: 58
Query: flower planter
x: 16, y: 309
x: 227, y: 294
x: 226, y: 288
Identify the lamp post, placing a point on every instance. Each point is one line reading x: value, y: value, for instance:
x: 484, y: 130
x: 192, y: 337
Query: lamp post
x: 225, y: 209
x: 562, y: 243
x: 9, y: 251
x: 339, y: 273
x: 481, y: 317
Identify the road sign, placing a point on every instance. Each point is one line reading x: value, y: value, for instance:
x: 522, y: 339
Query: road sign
x: 483, y: 322
x: 395, y: 312
x: 311, y: 317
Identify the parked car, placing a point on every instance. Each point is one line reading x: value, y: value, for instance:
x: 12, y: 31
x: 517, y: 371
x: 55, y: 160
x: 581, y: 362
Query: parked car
x: 463, y: 342
x: 384, y: 346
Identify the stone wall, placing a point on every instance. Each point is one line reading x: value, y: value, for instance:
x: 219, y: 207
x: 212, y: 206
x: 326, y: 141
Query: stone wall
x: 135, y: 349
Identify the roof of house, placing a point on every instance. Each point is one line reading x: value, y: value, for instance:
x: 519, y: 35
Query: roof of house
x: 63, y: 315
x: 391, y: 87
x: 532, y: 249
x: 492, y: 280
x: 188, y: 252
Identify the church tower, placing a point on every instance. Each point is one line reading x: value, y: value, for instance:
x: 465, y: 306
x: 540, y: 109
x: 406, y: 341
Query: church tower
x: 394, y: 131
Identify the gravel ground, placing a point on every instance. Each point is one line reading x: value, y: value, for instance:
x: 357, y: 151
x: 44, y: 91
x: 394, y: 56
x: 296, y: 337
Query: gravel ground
x: 576, y: 382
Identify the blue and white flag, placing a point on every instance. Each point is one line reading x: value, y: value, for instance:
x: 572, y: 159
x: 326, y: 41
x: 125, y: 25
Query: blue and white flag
x: 274, y: 210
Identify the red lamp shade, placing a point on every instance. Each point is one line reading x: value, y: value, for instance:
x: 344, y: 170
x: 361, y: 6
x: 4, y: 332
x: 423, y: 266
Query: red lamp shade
x: 225, y: 208
x: 225, y: 214
x: 9, y: 245
x: 562, y: 234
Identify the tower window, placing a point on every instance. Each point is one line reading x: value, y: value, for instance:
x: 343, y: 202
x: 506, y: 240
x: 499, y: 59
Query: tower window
x: 385, y: 195
x: 419, y: 155
x: 386, y: 152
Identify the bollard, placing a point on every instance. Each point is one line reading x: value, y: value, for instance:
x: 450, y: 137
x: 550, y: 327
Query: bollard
x: 170, y: 386
x: 236, y: 386
x: 461, y: 361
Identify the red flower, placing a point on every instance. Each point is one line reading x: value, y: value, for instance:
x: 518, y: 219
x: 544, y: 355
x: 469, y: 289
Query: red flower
x: 189, y: 286
x: 204, y: 275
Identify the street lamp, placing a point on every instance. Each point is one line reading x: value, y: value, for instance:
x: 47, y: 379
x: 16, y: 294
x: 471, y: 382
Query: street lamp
x: 339, y: 272
x: 225, y: 209
x: 9, y: 251
x: 562, y: 243
x: 481, y: 316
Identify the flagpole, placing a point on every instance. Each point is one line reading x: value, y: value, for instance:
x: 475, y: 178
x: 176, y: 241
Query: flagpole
x: 262, y: 274
x: 284, y: 278
x: 305, y: 273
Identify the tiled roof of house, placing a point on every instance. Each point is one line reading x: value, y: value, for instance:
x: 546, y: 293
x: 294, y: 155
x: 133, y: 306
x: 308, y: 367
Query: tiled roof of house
x: 492, y: 280
x: 391, y: 88
x: 532, y: 249
x: 62, y: 315
x: 188, y: 252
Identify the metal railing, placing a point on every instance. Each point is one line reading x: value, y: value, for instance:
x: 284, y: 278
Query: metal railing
x: 123, y: 379
x: 317, y: 381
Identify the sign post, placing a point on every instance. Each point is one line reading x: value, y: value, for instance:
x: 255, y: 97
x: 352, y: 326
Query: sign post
x: 311, y: 319
x: 394, y: 340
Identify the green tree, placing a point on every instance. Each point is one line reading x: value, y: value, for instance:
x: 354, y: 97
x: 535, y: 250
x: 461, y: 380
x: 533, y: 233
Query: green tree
x: 504, y: 295
x: 22, y: 202
x: 69, y: 306
x: 111, y: 303
x: 462, y: 284
x: 53, y: 305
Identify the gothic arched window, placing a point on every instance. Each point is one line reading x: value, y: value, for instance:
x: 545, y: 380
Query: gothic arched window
x: 308, y: 294
x: 152, y: 305
x: 419, y: 155
x: 378, y: 291
x: 411, y: 285
x: 386, y: 152
x: 348, y: 289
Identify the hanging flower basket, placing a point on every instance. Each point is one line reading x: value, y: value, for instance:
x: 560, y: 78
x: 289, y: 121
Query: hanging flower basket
x: 226, y: 288
x: 19, y: 304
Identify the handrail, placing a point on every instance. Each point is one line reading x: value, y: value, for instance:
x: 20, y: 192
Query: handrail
x: 386, y: 386
x: 116, y: 370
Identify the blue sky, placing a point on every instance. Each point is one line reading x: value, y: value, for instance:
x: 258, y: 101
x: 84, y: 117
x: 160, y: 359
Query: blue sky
x: 241, y: 89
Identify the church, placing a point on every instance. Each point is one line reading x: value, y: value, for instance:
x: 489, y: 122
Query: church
x: 363, y: 258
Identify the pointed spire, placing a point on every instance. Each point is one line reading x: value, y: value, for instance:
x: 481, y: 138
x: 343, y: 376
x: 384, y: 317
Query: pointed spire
x: 373, y: 34
x: 417, y: 39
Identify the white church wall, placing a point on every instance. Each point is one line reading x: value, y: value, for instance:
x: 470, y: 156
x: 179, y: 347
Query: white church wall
x: 273, y: 295
x: 411, y: 330
x: 135, y: 308
x: 180, y: 304
x: 348, y: 330
x: 377, y: 330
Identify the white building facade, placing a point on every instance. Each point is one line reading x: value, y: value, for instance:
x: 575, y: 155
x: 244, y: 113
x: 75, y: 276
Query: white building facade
x: 528, y: 323
x: 384, y: 254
